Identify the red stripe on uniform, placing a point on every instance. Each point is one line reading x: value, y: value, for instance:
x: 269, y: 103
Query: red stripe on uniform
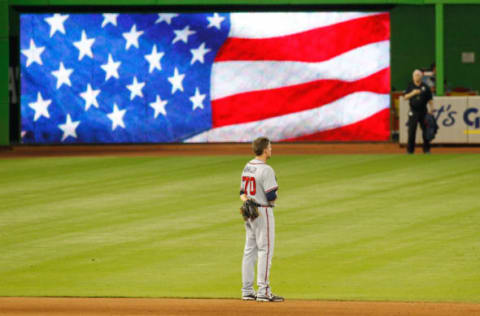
x: 268, y: 245
x: 311, y: 46
x: 373, y: 128
x: 259, y: 105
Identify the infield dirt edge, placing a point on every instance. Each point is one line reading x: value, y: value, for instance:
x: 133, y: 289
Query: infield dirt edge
x: 170, y: 306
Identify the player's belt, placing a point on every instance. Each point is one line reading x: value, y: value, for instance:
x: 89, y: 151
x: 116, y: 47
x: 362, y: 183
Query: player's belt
x: 261, y: 205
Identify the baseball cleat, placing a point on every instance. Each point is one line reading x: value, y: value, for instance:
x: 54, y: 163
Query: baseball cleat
x: 250, y: 297
x: 271, y: 298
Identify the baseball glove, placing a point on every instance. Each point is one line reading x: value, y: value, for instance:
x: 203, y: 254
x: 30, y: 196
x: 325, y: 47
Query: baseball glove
x: 249, y: 209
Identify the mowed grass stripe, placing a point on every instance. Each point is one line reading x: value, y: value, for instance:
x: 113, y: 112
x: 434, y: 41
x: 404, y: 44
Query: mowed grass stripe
x: 389, y: 227
x: 355, y: 226
x: 127, y: 208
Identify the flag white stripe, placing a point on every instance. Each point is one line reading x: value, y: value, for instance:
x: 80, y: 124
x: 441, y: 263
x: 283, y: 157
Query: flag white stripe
x: 274, y: 24
x: 347, y: 110
x: 233, y: 77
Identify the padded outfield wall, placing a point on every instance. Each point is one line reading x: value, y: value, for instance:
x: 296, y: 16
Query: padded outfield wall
x: 402, y: 38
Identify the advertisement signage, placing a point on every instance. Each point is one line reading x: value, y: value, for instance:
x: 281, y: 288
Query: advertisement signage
x: 458, y: 119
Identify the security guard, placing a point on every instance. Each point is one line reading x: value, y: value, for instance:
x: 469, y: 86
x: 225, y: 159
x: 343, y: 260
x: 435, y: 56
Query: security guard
x: 419, y: 94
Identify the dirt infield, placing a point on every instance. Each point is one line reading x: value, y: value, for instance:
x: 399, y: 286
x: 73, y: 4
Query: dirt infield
x: 136, y: 306
x: 216, y: 149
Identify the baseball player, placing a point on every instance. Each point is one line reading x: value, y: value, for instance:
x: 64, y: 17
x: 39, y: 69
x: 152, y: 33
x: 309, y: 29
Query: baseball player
x: 260, y: 185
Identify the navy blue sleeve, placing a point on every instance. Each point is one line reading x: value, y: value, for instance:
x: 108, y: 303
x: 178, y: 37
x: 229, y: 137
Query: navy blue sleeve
x: 429, y: 93
x: 272, y: 195
x: 409, y: 89
x: 242, y: 192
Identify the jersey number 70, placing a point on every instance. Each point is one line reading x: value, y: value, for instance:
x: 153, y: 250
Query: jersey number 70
x: 250, y: 185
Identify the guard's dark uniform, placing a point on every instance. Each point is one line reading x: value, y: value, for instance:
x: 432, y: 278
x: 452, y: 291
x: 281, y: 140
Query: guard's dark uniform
x: 418, y: 110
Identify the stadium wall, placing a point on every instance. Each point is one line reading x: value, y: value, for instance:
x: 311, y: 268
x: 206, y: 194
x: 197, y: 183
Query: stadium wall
x: 412, y: 40
x: 4, y: 51
x: 413, y: 43
x: 462, y: 31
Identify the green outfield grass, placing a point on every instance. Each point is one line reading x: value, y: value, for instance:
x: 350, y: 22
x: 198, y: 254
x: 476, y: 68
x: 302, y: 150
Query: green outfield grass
x: 353, y: 227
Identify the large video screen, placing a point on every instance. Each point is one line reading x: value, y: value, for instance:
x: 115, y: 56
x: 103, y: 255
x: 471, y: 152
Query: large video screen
x: 204, y: 77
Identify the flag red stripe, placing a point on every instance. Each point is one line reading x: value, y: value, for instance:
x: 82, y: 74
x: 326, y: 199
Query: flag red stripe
x: 373, y: 128
x: 259, y: 105
x: 311, y: 46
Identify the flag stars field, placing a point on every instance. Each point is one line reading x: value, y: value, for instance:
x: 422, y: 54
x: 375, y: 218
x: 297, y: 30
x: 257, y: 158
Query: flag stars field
x: 154, y: 60
x: 33, y: 53
x: 56, y: 23
x: 159, y: 107
x: 132, y: 37
x: 40, y: 107
x: 215, y: 21
x: 109, y: 18
x: 165, y: 17
x: 104, y: 61
x: 197, y: 99
x: 111, y: 68
x: 84, y: 46
x: 63, y: 76
x: 182, y: 35
x: 90, y: 97
x: 198, y: 54
x: 136, y: 88
x: 176, y: 81
x: 117, y: 117
x: 69, y: 128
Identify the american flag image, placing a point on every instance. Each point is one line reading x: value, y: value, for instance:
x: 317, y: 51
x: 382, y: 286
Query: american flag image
x: 204, y: 77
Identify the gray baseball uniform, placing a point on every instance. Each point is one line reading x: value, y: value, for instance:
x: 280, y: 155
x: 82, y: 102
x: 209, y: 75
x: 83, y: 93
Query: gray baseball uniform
x: 258, y: 179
